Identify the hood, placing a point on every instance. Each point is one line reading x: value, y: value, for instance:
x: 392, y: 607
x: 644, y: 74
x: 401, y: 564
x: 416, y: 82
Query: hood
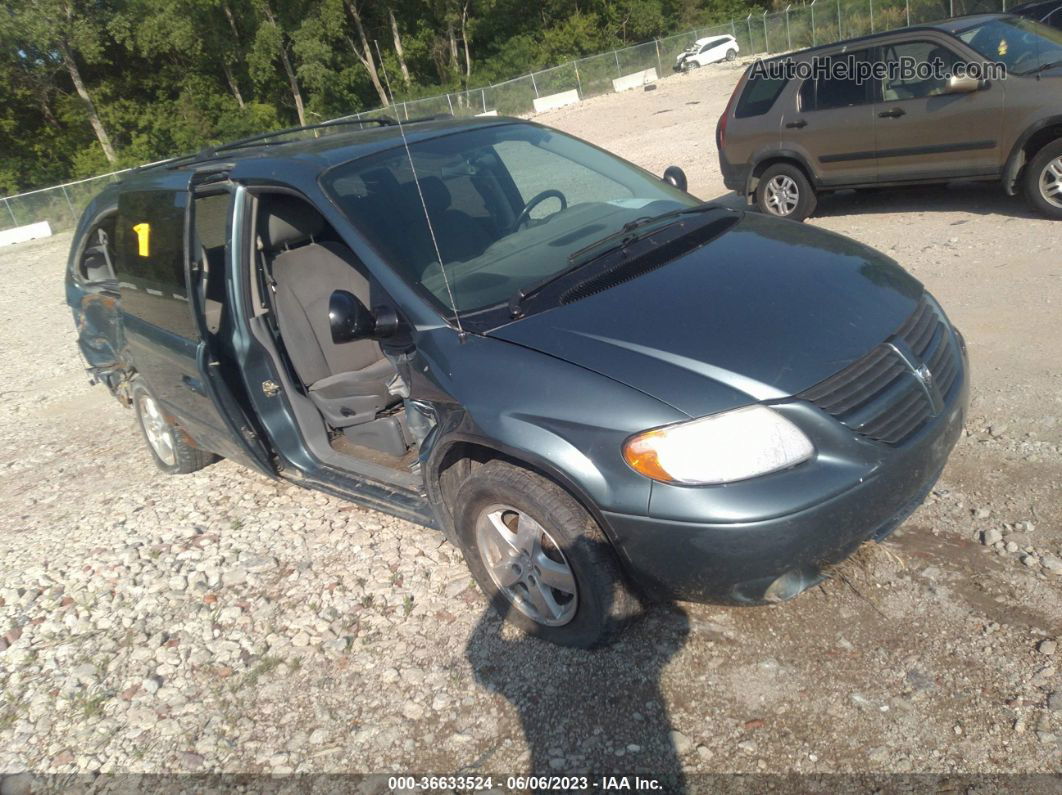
x: 762, y: 312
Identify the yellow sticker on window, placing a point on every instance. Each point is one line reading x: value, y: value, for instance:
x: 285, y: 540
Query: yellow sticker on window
x: 143, y: 237
x: 1002, y: 47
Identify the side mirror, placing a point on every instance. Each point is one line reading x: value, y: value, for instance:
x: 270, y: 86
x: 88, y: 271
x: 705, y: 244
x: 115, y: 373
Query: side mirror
x: 963, y: 85
x: 350, y: 320
x: 676, y: 177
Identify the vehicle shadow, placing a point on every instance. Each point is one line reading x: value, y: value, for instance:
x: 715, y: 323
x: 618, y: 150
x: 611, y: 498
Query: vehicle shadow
x: 597, y: 712
x: 977, y: 198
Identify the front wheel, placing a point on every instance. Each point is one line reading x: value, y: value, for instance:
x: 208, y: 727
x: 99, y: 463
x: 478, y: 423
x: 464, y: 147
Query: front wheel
x: 1043, y: 180
x: 540, y: 557
x: 783, y: 191
x: 172, y: 452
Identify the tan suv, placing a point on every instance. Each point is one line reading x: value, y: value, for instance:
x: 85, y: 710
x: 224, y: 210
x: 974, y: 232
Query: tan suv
x: 976, y: 97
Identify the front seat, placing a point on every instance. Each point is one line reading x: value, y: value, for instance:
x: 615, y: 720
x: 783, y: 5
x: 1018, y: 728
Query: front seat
x: 348, y: 382
x: 459, y: 235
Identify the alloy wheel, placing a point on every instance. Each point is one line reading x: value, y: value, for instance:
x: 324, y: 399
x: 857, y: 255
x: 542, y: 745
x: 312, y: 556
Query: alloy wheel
x: 157, y: 430
x: 783, y: 195
x: 1051, y: 182
x: 527, y: 565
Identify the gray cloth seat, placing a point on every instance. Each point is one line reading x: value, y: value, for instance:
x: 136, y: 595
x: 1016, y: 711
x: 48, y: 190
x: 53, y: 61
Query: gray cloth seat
x: 459, y: 235
x: 348, y: 382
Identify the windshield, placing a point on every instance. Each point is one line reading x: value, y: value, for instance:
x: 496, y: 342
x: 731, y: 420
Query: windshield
x: 508, y: 205
x: 1022, y: 45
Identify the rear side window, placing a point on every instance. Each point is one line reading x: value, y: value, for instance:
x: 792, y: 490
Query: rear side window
x: 759, y: 96
x: 150, y: 261
x: 841, y: 87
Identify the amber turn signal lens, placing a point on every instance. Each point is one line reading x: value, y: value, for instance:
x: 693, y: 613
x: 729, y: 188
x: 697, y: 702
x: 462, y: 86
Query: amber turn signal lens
x: 641, y: 456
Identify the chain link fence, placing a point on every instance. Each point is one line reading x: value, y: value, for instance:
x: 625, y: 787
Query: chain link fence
x: 796, y: 27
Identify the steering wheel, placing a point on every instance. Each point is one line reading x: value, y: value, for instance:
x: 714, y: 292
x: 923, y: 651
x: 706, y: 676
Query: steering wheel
x: 525, y: 214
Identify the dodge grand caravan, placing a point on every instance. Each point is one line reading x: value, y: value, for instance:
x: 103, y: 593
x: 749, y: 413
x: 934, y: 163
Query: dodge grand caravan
x: 592, y: 383
x: 786, y: 138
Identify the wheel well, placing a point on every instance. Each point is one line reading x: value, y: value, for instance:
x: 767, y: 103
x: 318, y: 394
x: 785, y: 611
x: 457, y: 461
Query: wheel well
x: 462, y: 459
x: 765, y: 164
x: 1040, y: 139
x: 1015, y: 171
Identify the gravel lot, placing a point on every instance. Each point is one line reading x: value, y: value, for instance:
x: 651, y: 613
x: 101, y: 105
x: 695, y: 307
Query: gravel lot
x: 224, y: 622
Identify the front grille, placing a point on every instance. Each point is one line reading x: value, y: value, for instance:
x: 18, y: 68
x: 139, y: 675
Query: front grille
x: 880, y: 396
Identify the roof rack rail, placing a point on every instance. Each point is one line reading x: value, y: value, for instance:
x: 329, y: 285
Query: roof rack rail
x: 270, y: 138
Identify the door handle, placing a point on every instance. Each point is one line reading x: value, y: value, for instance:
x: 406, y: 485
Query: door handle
x: 895, y: 113
x: 797, y: 124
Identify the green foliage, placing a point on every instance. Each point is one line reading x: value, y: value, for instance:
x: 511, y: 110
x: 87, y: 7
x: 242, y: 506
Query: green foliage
x: 164, y: 77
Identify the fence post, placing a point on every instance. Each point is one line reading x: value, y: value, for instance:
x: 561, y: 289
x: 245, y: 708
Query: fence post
x: 659, y: 63
x: 450, y: 103
x: 483, y: 95
x: 951, y: 8
x: 813, y: 41
x: 908, y: 6
x: 579, y: 80
x: 14, y: 220
x: 871, y: 15
x: 615, y: 54
x: 788, y: 38
x: 752, y: 46
x: 534, y: 85
x: 766, y: 39
x: 840, y: 28
x: 69, y: 204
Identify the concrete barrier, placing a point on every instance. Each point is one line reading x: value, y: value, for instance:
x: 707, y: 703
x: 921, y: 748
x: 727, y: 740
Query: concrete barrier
x: 556, y: 100
x: 20, y: 234
x: 634, y: 80
x: 488, y: 113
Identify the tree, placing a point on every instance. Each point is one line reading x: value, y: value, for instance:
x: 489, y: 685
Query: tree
x: 364, y: 51
x: 272, y: 42
x: 57, y: 34
x: 398, y: 46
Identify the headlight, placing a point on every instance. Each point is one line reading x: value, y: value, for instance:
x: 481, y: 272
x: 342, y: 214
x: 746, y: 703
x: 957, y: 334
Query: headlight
x: 734, y: 445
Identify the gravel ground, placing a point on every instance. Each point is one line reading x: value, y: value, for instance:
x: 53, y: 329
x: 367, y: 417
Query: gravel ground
x: 224, y: 622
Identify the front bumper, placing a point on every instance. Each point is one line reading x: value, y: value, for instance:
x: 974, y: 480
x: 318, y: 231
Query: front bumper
x: 736, y: 562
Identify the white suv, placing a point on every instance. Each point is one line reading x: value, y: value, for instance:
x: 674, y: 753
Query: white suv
x: 705, y: 51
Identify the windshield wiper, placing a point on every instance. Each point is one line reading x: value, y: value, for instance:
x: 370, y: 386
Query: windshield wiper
x: 624, y: 236
x: 1045, y: 66
x: 628, y: 233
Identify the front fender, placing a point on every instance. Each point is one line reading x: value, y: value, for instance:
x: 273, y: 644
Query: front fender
x: 554, y: 416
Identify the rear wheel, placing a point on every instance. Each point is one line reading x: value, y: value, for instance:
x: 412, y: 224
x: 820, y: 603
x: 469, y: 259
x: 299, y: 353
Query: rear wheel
x: 784, y: 191
x: 1043, y: 180
x: 540, y: 558
x: 731, y: 55
x: 172, y: 453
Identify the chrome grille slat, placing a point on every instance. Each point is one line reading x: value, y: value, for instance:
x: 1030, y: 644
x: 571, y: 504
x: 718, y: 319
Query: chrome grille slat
x: 879, y: 396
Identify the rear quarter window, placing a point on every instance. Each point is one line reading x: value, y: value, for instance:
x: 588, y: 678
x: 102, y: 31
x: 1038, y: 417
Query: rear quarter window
x: 759, y: 96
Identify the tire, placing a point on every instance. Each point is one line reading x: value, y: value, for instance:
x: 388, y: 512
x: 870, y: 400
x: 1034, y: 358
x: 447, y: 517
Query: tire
x: 791, y: 181
x: 731, y: 55
x: 169, y: 446
x: 600, y: 605
x: 1043, y: 180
